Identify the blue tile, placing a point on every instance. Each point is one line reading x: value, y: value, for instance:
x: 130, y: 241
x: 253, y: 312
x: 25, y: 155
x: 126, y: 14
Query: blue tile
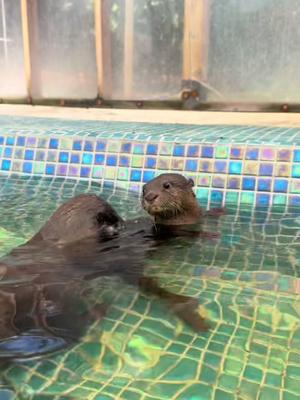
x: 1, y: 140
x: 281, y: 185
x: 263, y: 199
x: 40, y: 155
x: 124, y: 161
x: 296, y: 171
x: 191, y: 165
x: 138, y: 149
x: 112, y: 160
x: 29, y: 155
x: 87, y: 158
x: 294, y: 201
x: 216, y: 196
x: 100, y: 145
x: 235, y: 167
x: 85, y: 172
x: 99, y: 159
x: 108, y: 184
x: 10, y: 141
x: 152, y: 149
x: 248, y: 184
x: 7, y: 152
x: 27, y: 167
x: 236, y: 152
x: 148, y: 175
x: 89, y: 145
x: 5, y: 165
x: 75, y: 158
x: 21, y: 141
x: 297, y: 155
x: 77, y: 145
x: 136, y: 175
x: 178, y: 151
x: 207, y: 151
x: 64, y: 157
x: 53, y: 144
x: 266, y: 170
x: 150, y: 162
x: 193, y: 151
x: 50, y: 169
x: 126, y: 147
x: 264, y: 185
x: 252, y: 154
x: 220, y: 166
x: 31, y: 141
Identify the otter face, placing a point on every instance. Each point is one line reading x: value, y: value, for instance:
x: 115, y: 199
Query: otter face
x: 167, y: 196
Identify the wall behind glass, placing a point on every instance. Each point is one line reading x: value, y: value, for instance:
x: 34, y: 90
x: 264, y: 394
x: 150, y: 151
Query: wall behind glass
x: 12, y: 76
x: 65, y: 53
x: 254, y: 52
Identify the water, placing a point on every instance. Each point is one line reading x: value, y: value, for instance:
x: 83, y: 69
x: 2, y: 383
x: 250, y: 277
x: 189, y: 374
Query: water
x: 247, y: 284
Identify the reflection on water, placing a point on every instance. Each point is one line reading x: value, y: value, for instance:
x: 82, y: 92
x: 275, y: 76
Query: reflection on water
x: 247, y: 285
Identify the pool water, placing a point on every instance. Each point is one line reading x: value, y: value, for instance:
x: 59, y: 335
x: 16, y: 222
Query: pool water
x: 248, y: 287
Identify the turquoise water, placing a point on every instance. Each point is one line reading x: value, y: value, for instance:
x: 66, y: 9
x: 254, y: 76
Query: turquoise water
x: 247, y: 284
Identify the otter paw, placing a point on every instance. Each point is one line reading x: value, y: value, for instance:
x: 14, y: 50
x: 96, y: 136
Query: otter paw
x: 216, y: 212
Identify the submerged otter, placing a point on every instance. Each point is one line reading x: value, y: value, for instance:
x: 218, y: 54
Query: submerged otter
x: 42, y: 281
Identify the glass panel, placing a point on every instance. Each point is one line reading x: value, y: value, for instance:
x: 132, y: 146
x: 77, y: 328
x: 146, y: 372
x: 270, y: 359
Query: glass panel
x: 157, y: 36
x: 254, y: 52
x: 66, y: 49
x: 12, y: 76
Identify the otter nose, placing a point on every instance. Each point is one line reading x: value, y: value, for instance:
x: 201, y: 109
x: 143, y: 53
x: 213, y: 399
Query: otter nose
x: 151, y: 196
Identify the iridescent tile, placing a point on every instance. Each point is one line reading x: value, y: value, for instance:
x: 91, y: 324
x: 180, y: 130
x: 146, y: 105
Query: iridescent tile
x: 1, y: 140
x: 263, y: 200
x: 10, y: 140
x: 101, y: 145
x: 232, y: 198
x: 148, y: 176
x: 87, y: 158
x: 264, y: 185
x: 27, y: 167
x: 193, y: 151
x: 205, y: 166
x: 53, y: 143
x: 136, y: 175
x: 99, y: 159
x: 63, y: 157
x: 249, y: 183
x: 62, y: 170
x: 39, y: 168
x: 166, y: 149
x: 112, y: 160
x: 97, y: 172
x: 268, y: 154
x: 191, y: 165
x: 266, y: 169
x: 284, y: 155
x: 152, y: 149
x: 281, y: 185
x: 220, y: 166
x: 77, y: 145
x: 235, y: 167
x: 297, y: 155
x: 134, y: 187
x: 216, y: 197
x: 43, y: 143
x: 150, y: 162
x: 179, y: 150
x: 52, y: 156
x: 202, y: 195
x: 7, y: 153
x: 218, y: 181
x: 164, y: 163
x: 50, y: 169
x: 124, y: 161
x: 222, y: 152
x: 294, y: 201
x: 40, y: 155
x: 19, y: 153
x: 295, y: 186
x: 296, y: 171
x: 237, y: 153
x: 73, y: 170
x: 204, y: 180
x: 252, y: 153
x: 89, y: 145
x: 126, y: 147
x: 123, y: 174
x: 21, y: 141
x: 85, y: 172
x: 113, y: 146
x: 177, y: 164
x: 279, y: 199
x: 234, y: 182
x: 66, y: 144
x: 138, y: 148
x: 207, y: 151
x: 283, y: 170
x: 247, y: 198
x: 137, y: 161
x: 29, y: 154
x: 17, y: 166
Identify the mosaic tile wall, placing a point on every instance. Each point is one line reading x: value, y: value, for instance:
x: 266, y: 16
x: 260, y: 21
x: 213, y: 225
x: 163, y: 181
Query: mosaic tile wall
x: 254, y: 174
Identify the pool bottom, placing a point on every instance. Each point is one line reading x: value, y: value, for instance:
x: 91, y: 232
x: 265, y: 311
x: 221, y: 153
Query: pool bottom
x: 248, y: 287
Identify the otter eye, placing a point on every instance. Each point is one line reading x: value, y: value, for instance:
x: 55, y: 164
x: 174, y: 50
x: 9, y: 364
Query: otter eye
x: 167, y: 185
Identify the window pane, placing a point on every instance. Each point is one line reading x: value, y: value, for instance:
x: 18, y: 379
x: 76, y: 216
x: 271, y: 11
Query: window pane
x: 65, y: 53
x: 12, y: 76
x: 254, y: 52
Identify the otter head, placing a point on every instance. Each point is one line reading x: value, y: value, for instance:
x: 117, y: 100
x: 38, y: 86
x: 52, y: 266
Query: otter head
x: 170, y: 199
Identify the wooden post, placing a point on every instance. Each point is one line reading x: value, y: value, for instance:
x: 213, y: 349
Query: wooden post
x: 128, y: 49
x: 99, y: 45
x: 195, y: 41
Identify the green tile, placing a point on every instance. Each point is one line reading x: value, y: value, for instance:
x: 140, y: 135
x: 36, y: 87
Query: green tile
x: 221, y: 152
x: 249, y: 390
x: 267, y: 393
x: 253, y: 374
x: 38, y: 167
x: 208, y: 375
x: 66, y: 144
x: 113, y: 146
x: 290, y: 396
x: 233, y: 367
x: 247, y: 198
x: 123, y: 174
x: 110, y: 173
x: 221, y: 395
x: 232, y: 198
x: 137, y: 161
x: 228, y: 382
x: 196, y: 392
x: 98, y: 172
x: 279, y: 199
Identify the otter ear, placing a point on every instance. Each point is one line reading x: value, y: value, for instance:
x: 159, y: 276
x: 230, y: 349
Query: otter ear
x: 191, y: 183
